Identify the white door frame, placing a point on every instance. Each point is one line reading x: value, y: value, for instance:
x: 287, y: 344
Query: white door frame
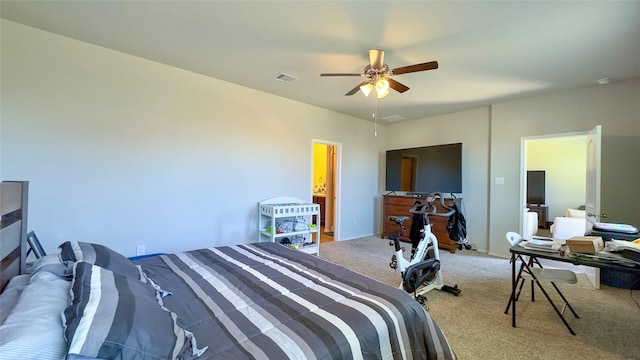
x: 337, y: 180
x: 523, y: 166
x: 592, y: 273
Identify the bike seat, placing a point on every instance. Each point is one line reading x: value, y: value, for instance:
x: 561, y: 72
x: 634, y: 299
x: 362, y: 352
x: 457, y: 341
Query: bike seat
x: 398, y: 219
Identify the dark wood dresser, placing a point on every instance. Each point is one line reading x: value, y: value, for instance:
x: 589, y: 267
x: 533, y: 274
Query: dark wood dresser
x: 543, y: 217
x: 400, y: 205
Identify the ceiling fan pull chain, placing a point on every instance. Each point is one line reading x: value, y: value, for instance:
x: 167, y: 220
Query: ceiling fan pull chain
x: 375, y: 115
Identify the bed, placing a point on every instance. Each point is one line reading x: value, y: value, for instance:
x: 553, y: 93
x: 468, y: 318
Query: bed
x: 258, y: 300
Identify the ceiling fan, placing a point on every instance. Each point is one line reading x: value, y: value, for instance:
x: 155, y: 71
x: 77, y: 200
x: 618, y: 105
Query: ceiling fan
x: 378, y: 75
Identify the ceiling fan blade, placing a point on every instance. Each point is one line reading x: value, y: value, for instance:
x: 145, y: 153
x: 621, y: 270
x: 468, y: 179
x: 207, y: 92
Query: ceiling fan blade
x: 340, y: 74
x: 376, y: 58
x: 397, y: 86
x: 356, y: 89
x: 415, y: 68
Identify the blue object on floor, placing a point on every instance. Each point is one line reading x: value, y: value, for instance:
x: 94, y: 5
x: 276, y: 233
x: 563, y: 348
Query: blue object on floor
x: 619, y: 279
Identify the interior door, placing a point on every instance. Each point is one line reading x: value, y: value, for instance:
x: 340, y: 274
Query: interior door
x: 592, y: 197
x: 325, y: 163
x: 331, y: 189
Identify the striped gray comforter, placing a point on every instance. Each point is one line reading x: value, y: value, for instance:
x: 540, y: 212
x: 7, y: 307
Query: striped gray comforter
x: 266, y: 301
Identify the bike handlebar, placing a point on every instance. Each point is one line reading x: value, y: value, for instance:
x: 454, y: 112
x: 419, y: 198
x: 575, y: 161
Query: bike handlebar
x: 429, y: 209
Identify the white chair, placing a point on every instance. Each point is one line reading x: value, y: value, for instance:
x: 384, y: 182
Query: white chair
x: 538, y: 275
x: 574, y: 223
x: 567, y: 227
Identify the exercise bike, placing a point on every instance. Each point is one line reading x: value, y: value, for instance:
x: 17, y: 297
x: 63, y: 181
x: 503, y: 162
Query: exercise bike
x: 421, y: 273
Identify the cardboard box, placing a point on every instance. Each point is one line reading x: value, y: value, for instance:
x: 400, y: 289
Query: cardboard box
x: 585, y: 244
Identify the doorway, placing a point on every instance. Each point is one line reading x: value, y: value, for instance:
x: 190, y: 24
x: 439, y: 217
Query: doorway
x: 563, y: 158
x: 325, y: 186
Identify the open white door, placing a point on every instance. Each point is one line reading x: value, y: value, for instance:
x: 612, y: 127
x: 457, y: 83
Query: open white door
x: 592, y: 197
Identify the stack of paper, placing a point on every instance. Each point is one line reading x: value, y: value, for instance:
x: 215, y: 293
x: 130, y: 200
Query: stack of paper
x: 537, y: 237
x: 628, y: 249
x: 619, y: 245
x: 542, y: 245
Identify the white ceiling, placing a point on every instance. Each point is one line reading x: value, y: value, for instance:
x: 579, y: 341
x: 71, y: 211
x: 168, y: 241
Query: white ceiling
x: 488, y: 51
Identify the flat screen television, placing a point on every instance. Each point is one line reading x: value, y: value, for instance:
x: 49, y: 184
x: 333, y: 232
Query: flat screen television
x: 535, y: 187
x: 425, y: 169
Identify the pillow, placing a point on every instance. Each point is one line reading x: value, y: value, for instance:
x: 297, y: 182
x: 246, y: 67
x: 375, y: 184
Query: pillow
x: 34, y: 329
x: 10, y: 295
x: 116, y: 316
x: 46, y: 260
x: 50, y: 267
x: 100, y: 255
x: 576, y: 213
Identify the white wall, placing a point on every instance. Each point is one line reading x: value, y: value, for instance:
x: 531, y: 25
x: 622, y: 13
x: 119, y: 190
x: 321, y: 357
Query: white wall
x: 621, y: 169
x: 122, y: 151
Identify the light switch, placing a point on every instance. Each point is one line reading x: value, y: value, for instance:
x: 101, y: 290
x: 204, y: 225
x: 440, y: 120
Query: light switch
x: 499, y: 180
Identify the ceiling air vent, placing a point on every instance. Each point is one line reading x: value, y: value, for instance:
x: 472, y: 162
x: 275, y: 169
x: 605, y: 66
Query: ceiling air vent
x: 392, y: 118
x: 286, y: 78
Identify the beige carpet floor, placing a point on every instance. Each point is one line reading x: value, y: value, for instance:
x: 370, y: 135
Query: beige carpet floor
x: 475, y: 323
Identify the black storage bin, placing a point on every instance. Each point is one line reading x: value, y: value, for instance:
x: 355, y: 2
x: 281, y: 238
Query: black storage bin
x: 616, y: 278
x: 620, y: 279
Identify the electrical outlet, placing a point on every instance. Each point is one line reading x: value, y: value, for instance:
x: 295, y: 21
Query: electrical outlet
x: 141, y: 250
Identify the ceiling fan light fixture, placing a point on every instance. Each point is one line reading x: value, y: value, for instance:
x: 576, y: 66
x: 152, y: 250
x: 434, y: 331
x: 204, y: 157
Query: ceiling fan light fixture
x: 377, y: 75
x: 366, y: 89
x: 382, y: 88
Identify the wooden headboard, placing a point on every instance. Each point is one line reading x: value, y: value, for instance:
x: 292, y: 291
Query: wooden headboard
x: 13, y: 229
